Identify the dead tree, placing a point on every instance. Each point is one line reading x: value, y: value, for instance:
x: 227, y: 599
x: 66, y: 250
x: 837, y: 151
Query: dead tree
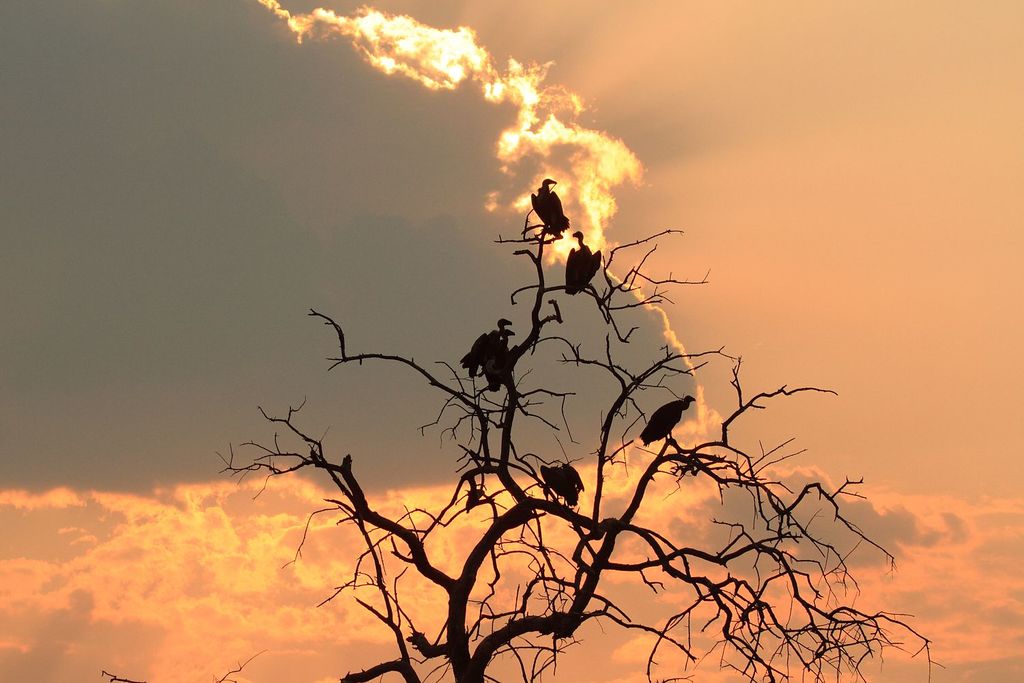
x: 769, y: 597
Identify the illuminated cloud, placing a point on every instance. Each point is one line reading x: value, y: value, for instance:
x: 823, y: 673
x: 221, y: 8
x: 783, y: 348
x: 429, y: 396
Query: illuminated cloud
x: 587, y: 163
x: 180, y: 584
x: 55, y: 498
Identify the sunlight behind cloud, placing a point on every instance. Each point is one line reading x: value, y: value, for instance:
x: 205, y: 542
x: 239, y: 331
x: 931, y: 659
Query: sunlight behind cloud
x: 587, y: 163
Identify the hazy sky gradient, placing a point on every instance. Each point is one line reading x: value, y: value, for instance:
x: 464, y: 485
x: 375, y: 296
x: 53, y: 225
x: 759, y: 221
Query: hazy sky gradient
x: 181, y: 181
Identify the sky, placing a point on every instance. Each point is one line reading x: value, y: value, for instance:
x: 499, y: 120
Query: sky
x: 182, y: 181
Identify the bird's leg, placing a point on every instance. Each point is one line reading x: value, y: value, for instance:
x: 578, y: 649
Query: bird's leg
x: 692, y: 466
x: 695, y: 467
x: 694, y: 462
x: 528, y: 228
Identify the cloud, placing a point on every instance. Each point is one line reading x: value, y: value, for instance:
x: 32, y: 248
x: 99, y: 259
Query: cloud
x: 588, y: 163
x: 186, y: 581
x: 56, y: 498
x: 183, y: 582
x: 200, y: 570
x: 956, y: 575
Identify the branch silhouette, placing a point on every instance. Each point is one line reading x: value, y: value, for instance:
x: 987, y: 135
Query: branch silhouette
x: 769, y: 597
x: 114, y: 678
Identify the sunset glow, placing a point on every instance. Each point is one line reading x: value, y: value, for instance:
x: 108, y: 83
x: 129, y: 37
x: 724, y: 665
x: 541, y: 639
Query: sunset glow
x: 212, y: 573
x: 183, y: 182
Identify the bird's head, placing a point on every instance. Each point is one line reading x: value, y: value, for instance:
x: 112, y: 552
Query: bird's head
x: 579, y: 236
x: 546, y: 183
x: 503, y: 323
x: 682, y: 404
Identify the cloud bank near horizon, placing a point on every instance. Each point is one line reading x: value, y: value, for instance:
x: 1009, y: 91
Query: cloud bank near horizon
x: 184, y: 582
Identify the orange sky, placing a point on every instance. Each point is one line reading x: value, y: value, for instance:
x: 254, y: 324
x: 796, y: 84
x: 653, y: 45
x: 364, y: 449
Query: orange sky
x: 850, y: 175
x: 181, y: 583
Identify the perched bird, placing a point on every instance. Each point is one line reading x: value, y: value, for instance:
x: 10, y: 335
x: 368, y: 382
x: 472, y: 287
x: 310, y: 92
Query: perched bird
x: 548, y: 207
x: 496, y: 367
x: 497, y: 364
x: 486, y: 347
x: 474, y: 495
x: 580, y: 267
x: 563, y: 481
x: 664, y: 419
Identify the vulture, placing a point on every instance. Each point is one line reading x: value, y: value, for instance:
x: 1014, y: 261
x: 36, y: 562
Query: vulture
x: 486, y: 347
x: 563, y: 481
x: 474, y: 495
x: 580, y: 267
x: 548, y: 207
x: 496, y: 365
x: 664, y: 419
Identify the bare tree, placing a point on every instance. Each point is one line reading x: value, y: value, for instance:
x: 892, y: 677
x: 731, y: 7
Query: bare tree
x: 770, y: 596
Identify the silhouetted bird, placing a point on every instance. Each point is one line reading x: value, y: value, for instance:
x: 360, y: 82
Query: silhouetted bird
x: 548, y: 207
x: 664, y: 419
x: 419, y: 641
x: 474, y: 495
x: 490, y: 354
x: 497, y: 364
x: 485, y: 346
x: 564, y: 481
x: 580, y: 267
